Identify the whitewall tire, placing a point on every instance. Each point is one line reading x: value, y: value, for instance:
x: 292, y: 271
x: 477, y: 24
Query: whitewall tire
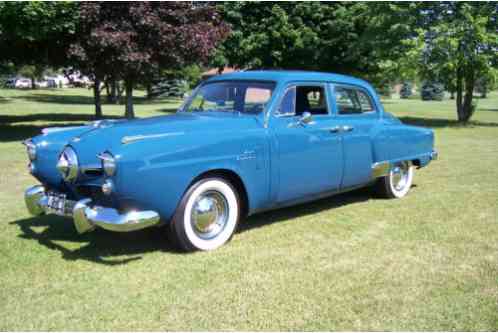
x: 398, y: 182
x: 207, y: 216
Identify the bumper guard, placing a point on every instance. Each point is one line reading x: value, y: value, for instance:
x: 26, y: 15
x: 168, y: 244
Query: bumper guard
x: 87, y: 216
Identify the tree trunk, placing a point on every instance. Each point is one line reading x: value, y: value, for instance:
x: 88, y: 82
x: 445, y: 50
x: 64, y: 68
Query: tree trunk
x: 468, y: 108
x: 114, y: 92
x: 129, y: 112
x: 459, y: 92
x: 107, y: 90
x: 119, y: 90
x: 33, y: 84
x: 97, y: 100
x: 452, y: 94
x: 149, y: 90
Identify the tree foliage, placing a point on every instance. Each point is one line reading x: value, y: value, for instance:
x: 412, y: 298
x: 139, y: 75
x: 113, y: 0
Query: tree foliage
x: 352, y: 38
x: 456, y: 43
x: 36, y: 33
x: 133, y: 40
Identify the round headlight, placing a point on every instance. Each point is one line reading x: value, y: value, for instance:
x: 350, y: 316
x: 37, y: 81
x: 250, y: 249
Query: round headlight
x: 68, y: 164
x: 31, y: 149
x: 108, y: 163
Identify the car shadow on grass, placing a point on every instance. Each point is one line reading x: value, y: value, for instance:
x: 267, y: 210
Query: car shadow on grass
x: 99, y: 246
x: 110, y: 248
x: 87, y: 99
x: 440, y: 122
x: 309, y: 208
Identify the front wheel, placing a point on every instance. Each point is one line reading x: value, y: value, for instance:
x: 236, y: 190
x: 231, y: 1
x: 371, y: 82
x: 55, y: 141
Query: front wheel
x: 207, y: 215
x: 398, y: 182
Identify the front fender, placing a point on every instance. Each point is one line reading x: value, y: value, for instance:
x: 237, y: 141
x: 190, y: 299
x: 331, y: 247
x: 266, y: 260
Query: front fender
x: 154, y: 174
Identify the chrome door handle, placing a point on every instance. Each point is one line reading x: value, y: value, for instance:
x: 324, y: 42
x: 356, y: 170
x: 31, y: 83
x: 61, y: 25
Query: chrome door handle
x: 335, y: 129
x: 347, y: 128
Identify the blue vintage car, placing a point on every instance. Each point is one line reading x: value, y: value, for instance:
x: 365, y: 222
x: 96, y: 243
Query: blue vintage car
x: 242, y: 143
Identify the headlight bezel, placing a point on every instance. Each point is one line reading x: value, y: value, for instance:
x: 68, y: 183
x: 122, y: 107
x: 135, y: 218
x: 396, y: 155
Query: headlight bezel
x: 68, y: 164
x: 30, y: 149
x: 108, y: 162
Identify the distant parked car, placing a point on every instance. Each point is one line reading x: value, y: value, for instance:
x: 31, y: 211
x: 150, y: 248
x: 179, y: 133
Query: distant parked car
x: 17, y: 82
x: 23, y: 83
x: 242, y: 143
x: 10, y: 82
x: 47, y: 83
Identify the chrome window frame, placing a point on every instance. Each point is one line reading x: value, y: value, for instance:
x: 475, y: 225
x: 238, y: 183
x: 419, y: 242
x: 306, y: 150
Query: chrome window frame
x: 353, y: 87
x: 265, y: 110
x: 291, y: 85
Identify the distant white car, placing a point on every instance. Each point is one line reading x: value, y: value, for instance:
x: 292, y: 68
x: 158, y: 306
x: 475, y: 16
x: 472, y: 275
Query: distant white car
x: 23, y: 83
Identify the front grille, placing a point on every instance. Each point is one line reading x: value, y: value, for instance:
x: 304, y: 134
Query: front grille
x: 95, y: 193
x: 93, y: 172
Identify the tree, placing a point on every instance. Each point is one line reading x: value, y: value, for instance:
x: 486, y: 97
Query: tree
x: 131, y: 41
x: 352, y: 38
x: 36, y: 34
x: 457, y: 43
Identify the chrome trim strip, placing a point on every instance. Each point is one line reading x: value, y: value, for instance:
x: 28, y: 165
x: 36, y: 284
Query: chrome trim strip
x: 380, y: 169
x: 91, y: 167
x: 49, y: 130
x: 133, y: 138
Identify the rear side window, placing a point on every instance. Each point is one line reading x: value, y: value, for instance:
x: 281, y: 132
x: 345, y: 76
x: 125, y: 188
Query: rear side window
x: 352, y: 101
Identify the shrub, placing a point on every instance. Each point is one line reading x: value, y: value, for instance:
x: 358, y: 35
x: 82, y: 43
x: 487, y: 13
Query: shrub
x: 432, y: 91
x: 406, y: 90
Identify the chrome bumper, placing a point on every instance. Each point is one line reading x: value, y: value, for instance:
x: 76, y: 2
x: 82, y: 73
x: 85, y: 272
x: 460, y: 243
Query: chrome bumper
x: 434, y: 155
x: 87, y: 216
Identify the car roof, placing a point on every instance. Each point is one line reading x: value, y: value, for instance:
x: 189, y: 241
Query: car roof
x: 287, y: 76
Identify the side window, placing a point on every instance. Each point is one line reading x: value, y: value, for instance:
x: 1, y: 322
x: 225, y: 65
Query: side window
x: 256, y: 99
x: 311, y: 99
x: 288, y: 104
x: 300, y: 99
x: 365, y: 102
x: 352, y: 101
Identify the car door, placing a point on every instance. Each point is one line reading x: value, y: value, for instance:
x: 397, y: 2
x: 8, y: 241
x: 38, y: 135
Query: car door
x: 308, y: 149
x: 357, y: 118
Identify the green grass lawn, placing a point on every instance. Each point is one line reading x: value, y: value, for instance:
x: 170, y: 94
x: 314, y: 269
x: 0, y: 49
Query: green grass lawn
x: 351, y: 262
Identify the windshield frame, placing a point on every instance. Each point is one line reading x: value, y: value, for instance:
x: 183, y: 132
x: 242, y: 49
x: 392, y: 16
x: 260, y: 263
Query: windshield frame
x: 188, y: 101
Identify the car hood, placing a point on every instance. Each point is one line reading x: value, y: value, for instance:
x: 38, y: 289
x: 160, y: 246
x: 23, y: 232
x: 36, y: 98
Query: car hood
x: 109, y: 136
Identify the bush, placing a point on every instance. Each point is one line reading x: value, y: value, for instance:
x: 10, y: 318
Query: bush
x: 432, y: 91
x: 406, y: 90
x: 168, y: 88
x: 385, y: 90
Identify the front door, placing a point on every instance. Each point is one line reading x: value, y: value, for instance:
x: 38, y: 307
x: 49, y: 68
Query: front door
x: 309, y: 151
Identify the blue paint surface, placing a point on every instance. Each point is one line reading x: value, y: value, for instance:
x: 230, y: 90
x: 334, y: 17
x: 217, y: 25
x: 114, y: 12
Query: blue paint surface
x: 278, y: 160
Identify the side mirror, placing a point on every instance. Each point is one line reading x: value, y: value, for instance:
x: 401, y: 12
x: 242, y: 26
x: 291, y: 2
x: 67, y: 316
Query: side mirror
x: 306, y: 118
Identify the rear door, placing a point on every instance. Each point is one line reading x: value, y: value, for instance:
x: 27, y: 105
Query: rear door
x: 357, y: 117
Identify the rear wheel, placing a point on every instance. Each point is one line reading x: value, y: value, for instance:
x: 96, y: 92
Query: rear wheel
x: 207, y: 216
x: 398, y: 182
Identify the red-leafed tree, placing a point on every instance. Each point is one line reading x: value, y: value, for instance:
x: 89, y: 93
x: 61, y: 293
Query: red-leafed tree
x: 131, y: 41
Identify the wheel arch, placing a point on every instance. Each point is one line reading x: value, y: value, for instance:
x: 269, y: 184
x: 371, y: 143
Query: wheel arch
x: 234, y: 179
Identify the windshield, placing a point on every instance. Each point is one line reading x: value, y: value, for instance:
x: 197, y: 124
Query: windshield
x: 231, y: 96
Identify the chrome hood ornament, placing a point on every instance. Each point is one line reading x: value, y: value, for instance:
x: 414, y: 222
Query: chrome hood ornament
x: 68, y: 164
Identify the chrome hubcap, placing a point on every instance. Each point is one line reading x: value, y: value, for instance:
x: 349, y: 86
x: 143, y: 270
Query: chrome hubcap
x: 399, y: 176
x: 209, y: 214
